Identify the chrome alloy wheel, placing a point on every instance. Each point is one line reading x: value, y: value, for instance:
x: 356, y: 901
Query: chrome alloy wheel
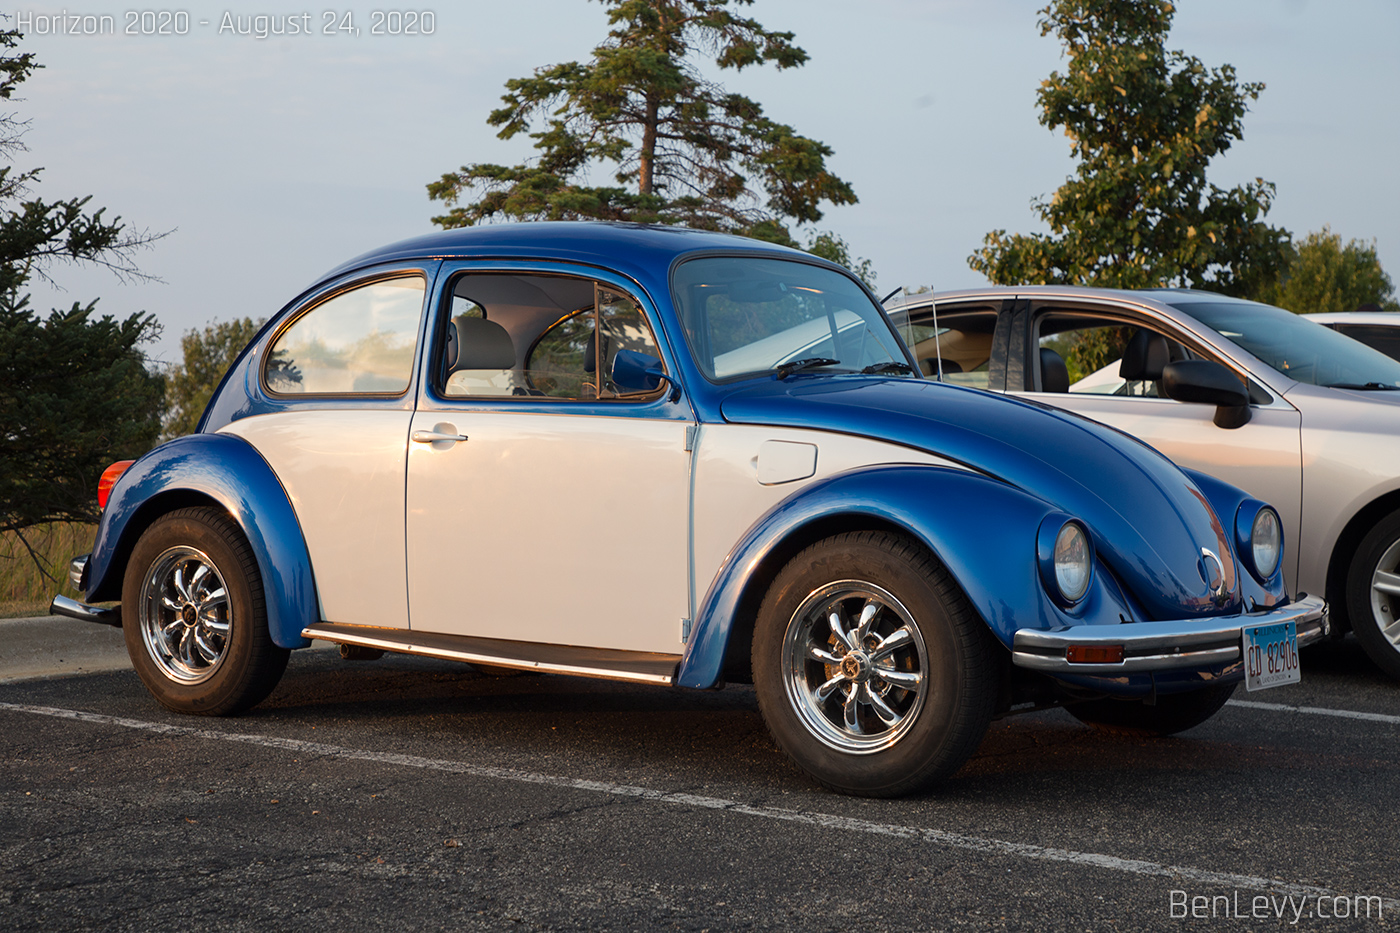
x: 184, y: 615
x: 1385, y: 594
x: 855, y: 667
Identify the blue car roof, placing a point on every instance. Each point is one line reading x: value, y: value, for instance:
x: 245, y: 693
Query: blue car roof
x: 594, y: 242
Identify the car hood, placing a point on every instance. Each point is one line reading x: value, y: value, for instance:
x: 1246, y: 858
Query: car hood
x: 1148, y: 521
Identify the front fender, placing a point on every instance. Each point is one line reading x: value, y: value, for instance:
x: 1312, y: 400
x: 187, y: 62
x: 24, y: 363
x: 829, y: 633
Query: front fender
x: 1228, y: 501
x: 227, y: 470
x: 983, y: 530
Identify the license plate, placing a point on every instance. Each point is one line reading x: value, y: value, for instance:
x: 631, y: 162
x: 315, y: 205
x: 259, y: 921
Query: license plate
x: 1271, y: 656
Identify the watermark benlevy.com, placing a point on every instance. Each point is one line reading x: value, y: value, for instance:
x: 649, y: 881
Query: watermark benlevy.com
x: 1290, y: 907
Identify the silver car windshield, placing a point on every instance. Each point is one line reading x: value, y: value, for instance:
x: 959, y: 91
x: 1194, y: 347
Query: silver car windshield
x: 744, y: 316
x: 1302, y: 350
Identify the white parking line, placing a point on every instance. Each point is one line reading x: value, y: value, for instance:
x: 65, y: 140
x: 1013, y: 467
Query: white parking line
x: 825, y: 820
x: 1316, y: 711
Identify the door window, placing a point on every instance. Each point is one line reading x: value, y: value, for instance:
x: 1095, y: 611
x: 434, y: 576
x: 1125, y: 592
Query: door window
x: 540, y: 336
x: 1084, y: 354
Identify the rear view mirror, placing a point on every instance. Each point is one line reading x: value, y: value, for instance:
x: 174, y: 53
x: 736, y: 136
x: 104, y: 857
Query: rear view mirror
x: 1209, y: 383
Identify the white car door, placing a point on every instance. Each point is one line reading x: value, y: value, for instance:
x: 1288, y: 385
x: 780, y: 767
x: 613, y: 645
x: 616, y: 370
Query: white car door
x: 552, y: 507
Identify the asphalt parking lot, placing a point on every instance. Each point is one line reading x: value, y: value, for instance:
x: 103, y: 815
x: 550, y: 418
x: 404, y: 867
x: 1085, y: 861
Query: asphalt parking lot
x: 412, y: 794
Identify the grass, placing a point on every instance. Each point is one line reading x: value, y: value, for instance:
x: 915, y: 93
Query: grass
x: 24, y: 588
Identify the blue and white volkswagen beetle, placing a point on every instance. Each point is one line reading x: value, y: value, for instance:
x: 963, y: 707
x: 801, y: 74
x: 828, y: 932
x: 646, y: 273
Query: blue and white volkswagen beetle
x: 681, y: 458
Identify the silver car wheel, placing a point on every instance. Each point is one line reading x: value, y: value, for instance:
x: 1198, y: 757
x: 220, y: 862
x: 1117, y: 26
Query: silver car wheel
x: 855, y: 667
x: 1385, y: 594
x: 184, y: 615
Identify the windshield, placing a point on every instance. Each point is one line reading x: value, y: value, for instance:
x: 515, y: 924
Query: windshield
x: 1302, y: 350
x: 745, y: 315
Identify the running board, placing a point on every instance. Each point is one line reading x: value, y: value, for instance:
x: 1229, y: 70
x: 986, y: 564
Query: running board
x: 611, y: 664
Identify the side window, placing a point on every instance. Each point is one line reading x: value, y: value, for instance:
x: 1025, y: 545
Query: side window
x: 961, y: 342
x: 1082, y: 354
x: 357, y: 342
x: 540, y: 336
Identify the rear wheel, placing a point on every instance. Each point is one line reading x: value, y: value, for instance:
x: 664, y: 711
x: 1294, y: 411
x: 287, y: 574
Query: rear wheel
x: 194, y: 616
x: 1373, y: 594
x: 1173, y: 713
x: 872, y: 670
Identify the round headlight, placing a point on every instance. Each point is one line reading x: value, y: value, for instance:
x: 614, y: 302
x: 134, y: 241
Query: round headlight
x: 1072, y: 562
x: 1266, y: 542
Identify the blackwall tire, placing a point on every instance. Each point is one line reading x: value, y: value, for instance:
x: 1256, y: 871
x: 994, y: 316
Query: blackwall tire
x: 194, y: 616
x: 872, y: 670
x: 1373, y: 594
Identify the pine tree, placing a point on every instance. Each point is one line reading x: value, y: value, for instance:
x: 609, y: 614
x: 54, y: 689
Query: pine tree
x: 680, y: 149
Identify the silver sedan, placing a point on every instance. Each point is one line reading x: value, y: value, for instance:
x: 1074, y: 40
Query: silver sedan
x: 1291, y: 411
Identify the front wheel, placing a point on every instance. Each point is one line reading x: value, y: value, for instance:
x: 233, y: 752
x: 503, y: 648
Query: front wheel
x: 872, y: 670
x: 1173, y: 713
x: 194, y: 616
x: 1373, y: 594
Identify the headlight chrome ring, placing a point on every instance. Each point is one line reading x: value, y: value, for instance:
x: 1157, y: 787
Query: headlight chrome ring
x: 1066, y: 558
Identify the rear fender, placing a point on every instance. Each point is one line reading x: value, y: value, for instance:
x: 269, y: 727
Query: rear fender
x: 983, y: 530
x: 227, y: 471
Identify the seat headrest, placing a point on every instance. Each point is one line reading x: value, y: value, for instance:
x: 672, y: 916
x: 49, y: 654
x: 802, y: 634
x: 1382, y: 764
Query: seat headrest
x: 1054, y: 375
x: 949, y: 366
x: 1145, y: 356
x: 479, y: 344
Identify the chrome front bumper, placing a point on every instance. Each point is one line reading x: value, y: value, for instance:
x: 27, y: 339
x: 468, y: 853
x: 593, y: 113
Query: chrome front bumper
x: 1163, y: 646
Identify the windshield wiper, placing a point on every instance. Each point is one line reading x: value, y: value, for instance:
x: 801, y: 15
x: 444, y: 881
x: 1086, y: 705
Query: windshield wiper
x: 1370, y: 386
x: 787, y: 369
x: 889, y: 366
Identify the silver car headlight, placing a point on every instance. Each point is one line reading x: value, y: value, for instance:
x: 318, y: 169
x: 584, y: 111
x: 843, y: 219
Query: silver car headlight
x: 1072, y: 562
x: 1066, y: 559
x: 1259, y: 539
x: 1266, y: 542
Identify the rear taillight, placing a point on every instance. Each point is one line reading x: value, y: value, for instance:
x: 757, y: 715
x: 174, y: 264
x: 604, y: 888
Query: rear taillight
x: 109, y: 479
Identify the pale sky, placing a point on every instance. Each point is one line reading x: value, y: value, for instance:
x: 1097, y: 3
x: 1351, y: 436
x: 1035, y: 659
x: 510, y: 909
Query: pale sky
x: 273, y: 160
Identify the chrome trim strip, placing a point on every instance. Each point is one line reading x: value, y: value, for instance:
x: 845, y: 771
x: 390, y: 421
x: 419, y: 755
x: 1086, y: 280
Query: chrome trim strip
x: 76, y: 566
x: 1160, y: 646
x: 632, y: 666
x: 63, y: 606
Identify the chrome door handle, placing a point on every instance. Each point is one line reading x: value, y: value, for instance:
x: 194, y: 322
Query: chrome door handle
x: 440, y: 432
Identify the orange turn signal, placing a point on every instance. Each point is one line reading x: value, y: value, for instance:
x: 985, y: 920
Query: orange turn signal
x: 109, y: 479
x: 1094, y: 654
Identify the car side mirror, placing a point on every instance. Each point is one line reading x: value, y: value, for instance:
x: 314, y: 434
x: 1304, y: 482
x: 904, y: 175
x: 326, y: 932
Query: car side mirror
x: 640, y: 372
x: 1209, y: 383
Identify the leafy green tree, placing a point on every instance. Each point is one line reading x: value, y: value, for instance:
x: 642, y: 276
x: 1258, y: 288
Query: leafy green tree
x: 1323, y: 275
x: 680, y: 149
x: 74, y: 387
x: 1143, y: 124
x: 208, y: 354
x: 828, y: 245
